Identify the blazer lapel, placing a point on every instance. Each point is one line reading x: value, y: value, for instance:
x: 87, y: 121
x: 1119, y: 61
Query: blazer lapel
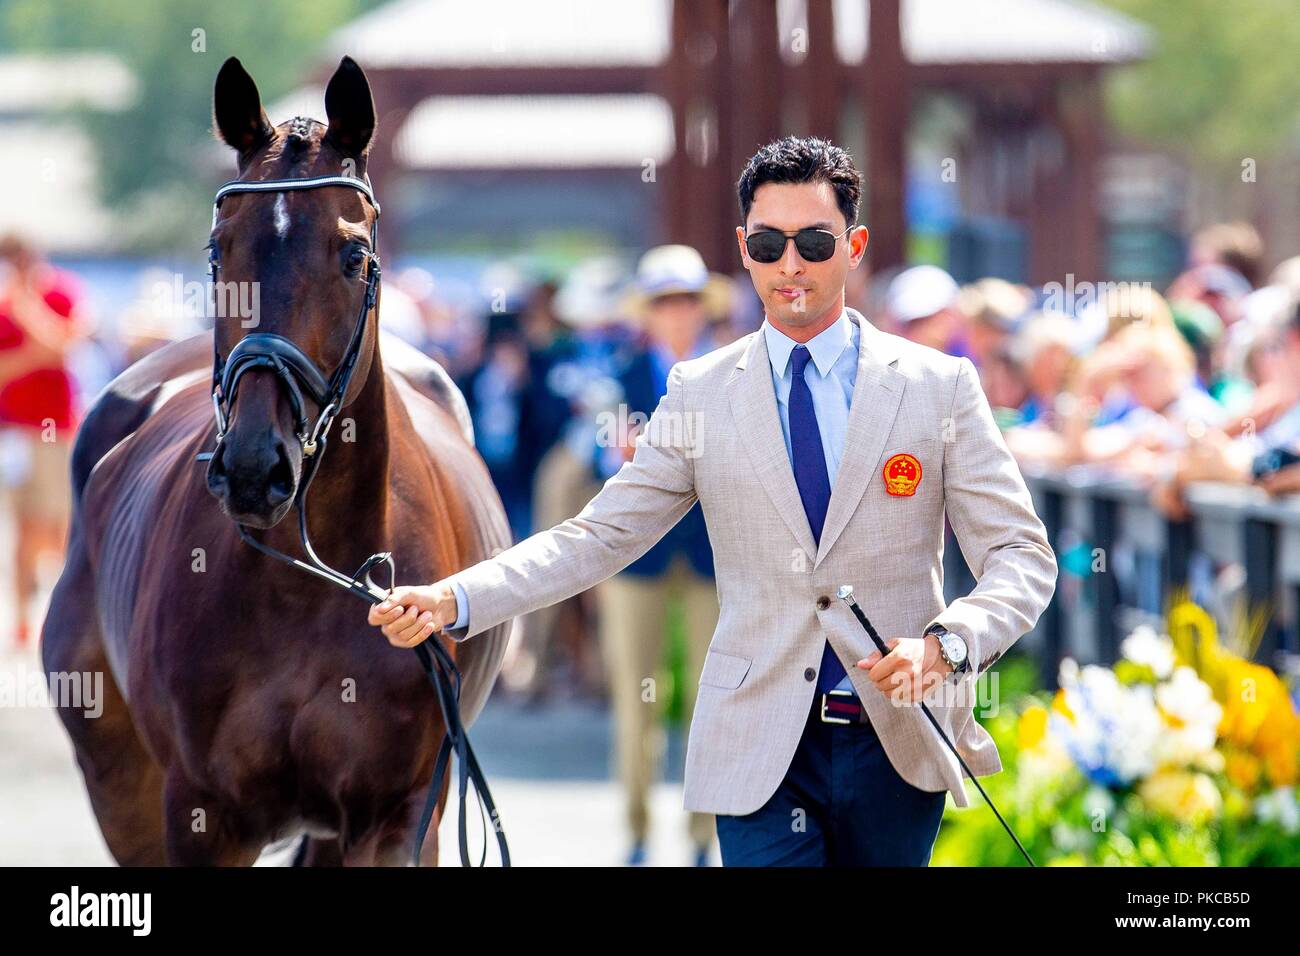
x: 753, y: 406
x: 877, y: 395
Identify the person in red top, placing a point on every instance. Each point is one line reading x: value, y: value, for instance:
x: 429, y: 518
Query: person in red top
x: 39, y: 323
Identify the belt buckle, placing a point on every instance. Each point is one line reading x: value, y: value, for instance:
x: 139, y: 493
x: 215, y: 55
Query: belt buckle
x: 834, y: 720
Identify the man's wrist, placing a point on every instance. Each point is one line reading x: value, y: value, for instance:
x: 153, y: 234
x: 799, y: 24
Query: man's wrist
x: 942, y: 634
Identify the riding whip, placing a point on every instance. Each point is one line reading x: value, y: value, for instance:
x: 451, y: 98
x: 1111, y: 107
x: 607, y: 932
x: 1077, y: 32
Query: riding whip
x: 845, y: 593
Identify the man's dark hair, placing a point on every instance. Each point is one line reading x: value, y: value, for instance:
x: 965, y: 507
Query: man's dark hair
x: 792, y: 159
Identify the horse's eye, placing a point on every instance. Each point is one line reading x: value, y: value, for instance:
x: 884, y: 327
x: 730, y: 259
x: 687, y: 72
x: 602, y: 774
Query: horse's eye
x: 356, y: 259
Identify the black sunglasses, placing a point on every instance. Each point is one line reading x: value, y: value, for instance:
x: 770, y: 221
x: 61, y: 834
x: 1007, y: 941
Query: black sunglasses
x: 815, y: 245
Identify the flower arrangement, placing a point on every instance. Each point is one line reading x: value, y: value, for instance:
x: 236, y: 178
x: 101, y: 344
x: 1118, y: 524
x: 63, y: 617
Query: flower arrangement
x: 1184, y: 753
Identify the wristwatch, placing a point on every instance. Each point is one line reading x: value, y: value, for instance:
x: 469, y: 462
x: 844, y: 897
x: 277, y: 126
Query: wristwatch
x: 951, y: 647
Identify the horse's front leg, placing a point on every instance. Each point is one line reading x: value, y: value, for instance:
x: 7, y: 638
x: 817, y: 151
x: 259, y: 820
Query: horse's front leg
x: 201, y: 831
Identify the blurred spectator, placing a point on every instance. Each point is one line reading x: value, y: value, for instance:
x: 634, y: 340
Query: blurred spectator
x: 541, y: 325
x: 1043, y: 351
x: 1218, y: 456
x: 1202, y: 330
x: 515, y: 419
x: 674, y: 298
x: 551, y: 654
x: 1006, y: 386
x: 1156, y: 369
x: 1220, y: 287
x: 1233, y: 244
x: 1286, y: 274
x: 994, y: 308
x: 39, y: 325
x: 922, y: 301
x: 1254, y: 359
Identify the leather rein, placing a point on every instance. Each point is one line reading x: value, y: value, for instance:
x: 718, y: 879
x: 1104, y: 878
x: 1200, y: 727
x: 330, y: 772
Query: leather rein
x: 299, y: 374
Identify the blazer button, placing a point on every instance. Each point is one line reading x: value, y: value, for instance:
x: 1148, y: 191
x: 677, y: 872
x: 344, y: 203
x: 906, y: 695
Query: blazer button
x: 809, y: 673
x: 823, y: 603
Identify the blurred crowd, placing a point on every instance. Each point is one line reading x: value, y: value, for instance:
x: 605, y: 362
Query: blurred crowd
x: 1199, y: 381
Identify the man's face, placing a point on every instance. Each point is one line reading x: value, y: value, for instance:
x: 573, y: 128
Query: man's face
x: 933, y: 330
x: 676, y: 320
x: 797, y: 293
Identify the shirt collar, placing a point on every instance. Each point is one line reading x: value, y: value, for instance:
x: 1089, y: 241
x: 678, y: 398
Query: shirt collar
x: 826, y: 346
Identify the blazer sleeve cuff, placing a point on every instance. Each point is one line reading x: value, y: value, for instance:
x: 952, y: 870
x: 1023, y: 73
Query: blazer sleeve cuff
x: 981, y: 652
x: 462, y: 606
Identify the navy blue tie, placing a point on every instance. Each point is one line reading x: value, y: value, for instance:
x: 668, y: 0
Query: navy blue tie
x: 814, y: 483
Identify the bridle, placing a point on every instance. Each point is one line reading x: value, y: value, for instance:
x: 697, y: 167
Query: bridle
x: 267, y: 350
x: 298, y: 373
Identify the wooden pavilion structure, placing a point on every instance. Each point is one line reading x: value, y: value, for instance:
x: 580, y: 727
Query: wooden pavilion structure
x: 736, y: 73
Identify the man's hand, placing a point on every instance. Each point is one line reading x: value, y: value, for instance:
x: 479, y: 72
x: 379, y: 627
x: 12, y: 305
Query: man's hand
x: 410, y: 615
x: 911, y: 667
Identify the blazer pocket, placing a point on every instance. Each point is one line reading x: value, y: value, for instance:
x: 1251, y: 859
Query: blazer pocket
x: 924, y: 447
x: 724, y: 670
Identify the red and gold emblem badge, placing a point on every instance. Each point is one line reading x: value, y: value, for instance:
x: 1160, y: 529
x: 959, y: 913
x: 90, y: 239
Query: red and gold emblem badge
x: 902, y: 475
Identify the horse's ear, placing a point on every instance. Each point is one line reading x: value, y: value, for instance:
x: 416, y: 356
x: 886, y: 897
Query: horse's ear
x: 350, y: 109
x: 237, y: 110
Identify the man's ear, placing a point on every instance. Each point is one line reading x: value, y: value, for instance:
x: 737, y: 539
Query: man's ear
x: 740, y: 241
x: 858, y: 239
x: 237, y: 112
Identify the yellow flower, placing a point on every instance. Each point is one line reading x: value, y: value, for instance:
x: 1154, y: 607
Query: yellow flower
x: 1243, y: 769
x: 1187, y: 797
x: 1032, y: 727
x: 1061, y: 707
x: 1258, y: 717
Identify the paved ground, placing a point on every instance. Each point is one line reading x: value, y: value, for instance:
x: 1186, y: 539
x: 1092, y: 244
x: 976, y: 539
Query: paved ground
x: 548, y: 769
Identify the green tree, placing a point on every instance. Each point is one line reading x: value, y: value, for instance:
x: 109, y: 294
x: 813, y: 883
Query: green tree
x: 1220, y: 85
x: 153, y: 161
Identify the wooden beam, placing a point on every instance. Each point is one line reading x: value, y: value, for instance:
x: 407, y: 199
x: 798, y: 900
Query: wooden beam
x: 886, y: 95
x: 675, y: 178
x: 420, y: 83
x: 756, y: 88
x: 819, y: 70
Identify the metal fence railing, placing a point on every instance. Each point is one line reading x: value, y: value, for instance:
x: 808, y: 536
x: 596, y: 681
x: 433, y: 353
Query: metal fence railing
x: 1121, y: 560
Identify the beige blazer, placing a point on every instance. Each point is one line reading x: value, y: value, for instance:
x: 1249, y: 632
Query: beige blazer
x: 716, y: 437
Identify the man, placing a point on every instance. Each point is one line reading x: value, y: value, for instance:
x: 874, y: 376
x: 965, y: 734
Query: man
x: 923, y: 303
x: 823, y: 452
x: 1220, y: 457
x: 673, y: 299
x: 995, y: 309
x: 39, y: 325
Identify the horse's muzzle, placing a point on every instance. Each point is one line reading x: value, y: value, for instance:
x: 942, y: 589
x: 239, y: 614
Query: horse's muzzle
x: 255, y: 479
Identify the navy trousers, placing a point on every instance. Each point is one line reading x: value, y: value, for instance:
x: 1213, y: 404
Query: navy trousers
x: 841, y: 804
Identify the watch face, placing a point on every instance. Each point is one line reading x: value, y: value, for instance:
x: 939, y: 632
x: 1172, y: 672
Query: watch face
x: 955, y: 647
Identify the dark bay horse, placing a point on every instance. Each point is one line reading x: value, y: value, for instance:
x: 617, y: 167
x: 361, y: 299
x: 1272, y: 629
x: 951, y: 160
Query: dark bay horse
x: 246, y: 702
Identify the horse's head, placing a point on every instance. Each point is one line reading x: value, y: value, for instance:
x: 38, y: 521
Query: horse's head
x: 302, y: 258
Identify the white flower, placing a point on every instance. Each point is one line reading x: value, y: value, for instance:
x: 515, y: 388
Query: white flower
x: 1281, y: 805
x: 1156, y: 651
x: 1193, y: 716
x: 1116, y: 729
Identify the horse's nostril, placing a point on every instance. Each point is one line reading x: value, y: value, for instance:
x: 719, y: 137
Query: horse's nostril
x: 280, y: 484
x: 217, y: 464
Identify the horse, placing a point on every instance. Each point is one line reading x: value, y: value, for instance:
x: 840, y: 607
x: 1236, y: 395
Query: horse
x: 245, y: 703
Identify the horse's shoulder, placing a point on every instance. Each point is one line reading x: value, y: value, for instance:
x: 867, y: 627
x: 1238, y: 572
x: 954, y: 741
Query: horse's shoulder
x: 133, y: 396
x: 428, y: 378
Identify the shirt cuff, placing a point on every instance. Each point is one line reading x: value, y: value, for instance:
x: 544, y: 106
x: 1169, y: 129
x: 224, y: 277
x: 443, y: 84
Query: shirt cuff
x: 462, y: 607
